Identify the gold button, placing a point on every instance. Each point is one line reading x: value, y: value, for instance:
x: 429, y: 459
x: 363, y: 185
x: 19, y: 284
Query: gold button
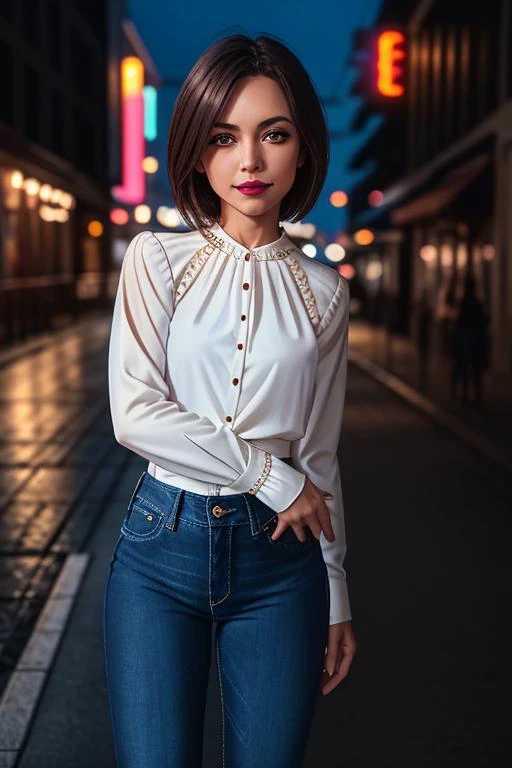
x: 217, y: 511
x: 149, y: 518
x: 245, y: 286
x: 229, y: 418
x: 247, y: 256
x: 242, y: 317
x: 235, y: 381
x: 240, y: 346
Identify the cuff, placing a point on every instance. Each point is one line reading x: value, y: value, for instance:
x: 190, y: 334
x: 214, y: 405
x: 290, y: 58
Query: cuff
x: 339, y: 600
x: 255, y: 469
x: 272, y: 480
x: 281, y: 486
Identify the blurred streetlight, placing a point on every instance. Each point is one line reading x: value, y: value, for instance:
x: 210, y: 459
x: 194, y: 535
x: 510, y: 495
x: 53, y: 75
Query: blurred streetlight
x: 338, y: 199
x: 364, y: 237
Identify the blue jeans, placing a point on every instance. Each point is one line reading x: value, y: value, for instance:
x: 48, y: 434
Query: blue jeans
x: 176, y: 568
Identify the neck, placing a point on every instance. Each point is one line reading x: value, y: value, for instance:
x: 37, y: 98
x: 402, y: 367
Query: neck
x: 251, y: 231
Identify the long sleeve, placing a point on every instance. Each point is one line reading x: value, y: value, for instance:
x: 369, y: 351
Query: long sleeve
x: 316, y: 452
x: 145, y: 419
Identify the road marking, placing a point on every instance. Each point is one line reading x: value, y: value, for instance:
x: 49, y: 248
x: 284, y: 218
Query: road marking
x: 26, y: 684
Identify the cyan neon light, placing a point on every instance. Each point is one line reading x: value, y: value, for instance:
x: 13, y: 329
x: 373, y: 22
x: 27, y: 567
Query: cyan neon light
x: 150, y: 105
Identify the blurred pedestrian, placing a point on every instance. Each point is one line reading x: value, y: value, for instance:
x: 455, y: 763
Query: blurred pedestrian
x: 424, y: 327
x: 446, y: 313
x: 470, y: 345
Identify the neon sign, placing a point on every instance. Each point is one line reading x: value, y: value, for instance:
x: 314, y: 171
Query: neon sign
x: 133, y: 187
x: 390, y: 64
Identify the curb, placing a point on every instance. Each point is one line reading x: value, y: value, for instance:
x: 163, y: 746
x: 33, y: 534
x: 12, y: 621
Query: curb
x: 26, y: 684
x: 427, y: 407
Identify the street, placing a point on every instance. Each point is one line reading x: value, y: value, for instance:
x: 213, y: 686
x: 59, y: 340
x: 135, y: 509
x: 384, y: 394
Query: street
x: 427, y: 527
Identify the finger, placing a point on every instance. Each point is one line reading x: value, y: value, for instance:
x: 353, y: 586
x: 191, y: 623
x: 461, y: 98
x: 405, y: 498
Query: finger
x: 316, y: 528
x: 344, y: 666
x: 299, y: 531
x: 324, y: 517
x: 329, y: 682
x: 330, y: 685
x: 331, y: 657
x: 280, y: 527
x: 341, y: 671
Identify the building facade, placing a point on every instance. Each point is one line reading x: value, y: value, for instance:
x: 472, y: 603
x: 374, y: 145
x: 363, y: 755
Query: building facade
x: 447, y: 211
x: 53, y: 161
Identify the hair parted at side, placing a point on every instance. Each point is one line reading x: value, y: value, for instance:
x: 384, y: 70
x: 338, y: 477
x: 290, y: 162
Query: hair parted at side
x: 203, y: 97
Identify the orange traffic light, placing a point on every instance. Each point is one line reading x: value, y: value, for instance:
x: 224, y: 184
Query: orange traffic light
x: 390, y: 51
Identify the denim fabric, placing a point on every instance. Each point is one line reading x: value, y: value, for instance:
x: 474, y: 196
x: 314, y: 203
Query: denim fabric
x: 175, y: 569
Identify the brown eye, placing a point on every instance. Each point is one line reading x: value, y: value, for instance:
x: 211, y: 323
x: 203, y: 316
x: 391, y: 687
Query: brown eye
x: 220, y: 136
x: 278, y: 133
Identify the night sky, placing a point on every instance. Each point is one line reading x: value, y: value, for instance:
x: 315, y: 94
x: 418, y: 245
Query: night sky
x: 176, y: 34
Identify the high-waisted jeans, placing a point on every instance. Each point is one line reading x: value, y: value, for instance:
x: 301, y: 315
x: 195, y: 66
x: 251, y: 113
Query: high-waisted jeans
x: 183, y: 561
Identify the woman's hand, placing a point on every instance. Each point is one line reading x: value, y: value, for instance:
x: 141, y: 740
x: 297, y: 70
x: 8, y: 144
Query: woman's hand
x: 309, y: 508
x: 341, y: 649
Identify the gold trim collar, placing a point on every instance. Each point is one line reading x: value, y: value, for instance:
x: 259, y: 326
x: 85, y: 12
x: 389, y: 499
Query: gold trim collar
x: 278, y: 249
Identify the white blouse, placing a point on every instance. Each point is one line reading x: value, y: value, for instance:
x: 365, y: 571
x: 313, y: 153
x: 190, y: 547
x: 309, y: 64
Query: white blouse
x: 225, y: 360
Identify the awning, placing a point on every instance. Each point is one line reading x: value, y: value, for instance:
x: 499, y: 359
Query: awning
x: 439, y: 198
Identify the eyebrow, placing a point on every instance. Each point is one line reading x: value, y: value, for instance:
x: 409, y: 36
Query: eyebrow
x: 263, y: 124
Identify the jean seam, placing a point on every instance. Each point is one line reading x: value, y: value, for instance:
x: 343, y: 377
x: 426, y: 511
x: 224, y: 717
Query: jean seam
x: 219, y: 670
x: 142, y: 536
x: 105, y: 654
x: 230, y: 531
x: 214, y: 527
x: 149, y: 503
x: 210, y: 569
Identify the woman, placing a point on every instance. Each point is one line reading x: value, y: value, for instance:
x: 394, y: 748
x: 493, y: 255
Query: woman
x: 227, y: 370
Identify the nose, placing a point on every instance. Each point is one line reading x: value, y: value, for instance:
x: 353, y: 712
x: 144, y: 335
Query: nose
x: 250, y: 158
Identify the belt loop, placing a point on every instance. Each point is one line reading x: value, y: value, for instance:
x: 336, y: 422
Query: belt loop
x: 173, y: 514
x: 137, y: 486
x: 255, y: 515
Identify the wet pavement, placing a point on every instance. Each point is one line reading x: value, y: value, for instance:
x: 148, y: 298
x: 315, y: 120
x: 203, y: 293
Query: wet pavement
x: 428, y: 527
x: 58, y: 460
x: 398, y: 355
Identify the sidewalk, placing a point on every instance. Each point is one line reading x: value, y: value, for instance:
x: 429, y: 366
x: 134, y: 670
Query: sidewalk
x: 386, y: 356
x: 38, y: 341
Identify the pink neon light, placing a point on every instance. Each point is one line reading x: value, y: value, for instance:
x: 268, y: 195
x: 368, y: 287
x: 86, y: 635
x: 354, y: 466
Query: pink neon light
x: 133, y: 188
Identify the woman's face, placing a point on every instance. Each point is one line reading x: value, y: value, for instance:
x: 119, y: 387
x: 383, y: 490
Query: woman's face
x: 270, y: 153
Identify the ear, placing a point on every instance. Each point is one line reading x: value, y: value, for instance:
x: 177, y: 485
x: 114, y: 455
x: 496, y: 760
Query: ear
x: 301, y: 159
x: 200, y: 167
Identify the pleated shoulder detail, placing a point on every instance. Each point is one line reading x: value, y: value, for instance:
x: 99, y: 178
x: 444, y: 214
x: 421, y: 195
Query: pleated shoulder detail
x: 333, y: 305
x: 305, y: 289
x: 194, y: 267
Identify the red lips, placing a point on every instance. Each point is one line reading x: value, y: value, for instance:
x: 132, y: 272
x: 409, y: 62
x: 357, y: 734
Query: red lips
x: 253, y: 183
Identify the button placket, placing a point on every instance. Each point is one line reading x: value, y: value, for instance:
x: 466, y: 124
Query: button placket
x: 237, y: 371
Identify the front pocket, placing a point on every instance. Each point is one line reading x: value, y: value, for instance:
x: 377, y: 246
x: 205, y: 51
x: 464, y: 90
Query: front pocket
x: 143, y: 520
x: 288, y: 538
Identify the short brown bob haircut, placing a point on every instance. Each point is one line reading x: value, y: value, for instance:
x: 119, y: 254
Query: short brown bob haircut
x: 200, y: 102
